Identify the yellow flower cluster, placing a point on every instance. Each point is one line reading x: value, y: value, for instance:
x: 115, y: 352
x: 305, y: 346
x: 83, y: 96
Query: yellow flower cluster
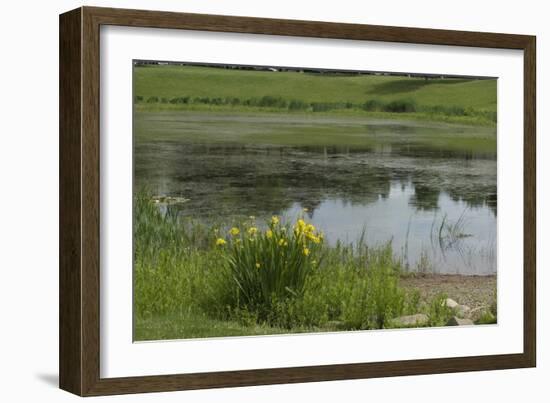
x: 308, y: 231
x: 305, y: 235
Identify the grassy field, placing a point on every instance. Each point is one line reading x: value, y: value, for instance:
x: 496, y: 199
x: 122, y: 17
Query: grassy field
x: 216, y: 89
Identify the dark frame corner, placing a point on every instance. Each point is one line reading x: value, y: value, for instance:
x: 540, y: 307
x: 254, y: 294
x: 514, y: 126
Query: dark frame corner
x: 79, y: 200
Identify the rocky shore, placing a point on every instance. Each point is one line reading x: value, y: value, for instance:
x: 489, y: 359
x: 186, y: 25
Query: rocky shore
x: 470, y: 297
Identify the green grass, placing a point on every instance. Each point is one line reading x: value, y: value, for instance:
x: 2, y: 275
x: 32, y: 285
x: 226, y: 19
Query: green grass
x: 216, y: 89
x: 188, y: 283
x: 181, y: 325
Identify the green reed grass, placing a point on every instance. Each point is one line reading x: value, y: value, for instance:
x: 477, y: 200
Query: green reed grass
x: 271, y: 265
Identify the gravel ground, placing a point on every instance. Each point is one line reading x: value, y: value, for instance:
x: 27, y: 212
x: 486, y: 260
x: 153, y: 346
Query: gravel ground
x: 473, y: 291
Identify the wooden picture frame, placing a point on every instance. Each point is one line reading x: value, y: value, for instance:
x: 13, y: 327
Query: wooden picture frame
x: 79, y: 348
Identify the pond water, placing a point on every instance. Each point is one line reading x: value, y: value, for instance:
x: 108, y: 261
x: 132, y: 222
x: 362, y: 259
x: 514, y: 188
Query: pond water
x: 435, y: 201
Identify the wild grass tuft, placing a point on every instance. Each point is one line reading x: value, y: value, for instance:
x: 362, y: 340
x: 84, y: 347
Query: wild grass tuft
x: 439, y: 313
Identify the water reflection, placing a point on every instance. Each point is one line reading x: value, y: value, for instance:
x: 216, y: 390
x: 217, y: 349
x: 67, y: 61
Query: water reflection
x: 395, y: 192
x: 467, y: 249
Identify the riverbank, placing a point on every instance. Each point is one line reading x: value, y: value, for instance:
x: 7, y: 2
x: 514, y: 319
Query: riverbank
x: 476, y: 292
x: 281, y: 277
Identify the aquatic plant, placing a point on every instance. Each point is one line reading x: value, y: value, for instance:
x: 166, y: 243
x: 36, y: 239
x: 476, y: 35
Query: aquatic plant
x: 272, y: 264
x: 449, y: 235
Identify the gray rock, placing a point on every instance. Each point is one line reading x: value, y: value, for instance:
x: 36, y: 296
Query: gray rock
x: 462, y: 310
x: 419, y: 319
x: 451, y: 303
x: 456, y: 321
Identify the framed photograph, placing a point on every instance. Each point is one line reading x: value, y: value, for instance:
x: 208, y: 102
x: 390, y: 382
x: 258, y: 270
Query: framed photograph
x: 249, y: 201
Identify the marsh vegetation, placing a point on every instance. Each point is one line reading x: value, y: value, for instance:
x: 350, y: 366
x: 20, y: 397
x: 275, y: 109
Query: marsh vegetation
x: 252, y: 277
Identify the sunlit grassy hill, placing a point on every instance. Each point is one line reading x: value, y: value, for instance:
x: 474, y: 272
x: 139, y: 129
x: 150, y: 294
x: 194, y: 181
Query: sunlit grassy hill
x: 161, y: 84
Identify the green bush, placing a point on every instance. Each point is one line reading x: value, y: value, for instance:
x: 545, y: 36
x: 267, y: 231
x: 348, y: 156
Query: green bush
x: 400, y: 106
x: 152, y: 100
x: 297, y: 105
x: 201, y: 100
x: 446, y: 110
x: 272, y: 102
x: 180, y: 100
x: 234, y: 101
x: 373, y: 105
x: 323, y: 106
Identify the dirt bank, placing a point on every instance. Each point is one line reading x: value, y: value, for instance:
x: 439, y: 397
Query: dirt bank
x: 473, y: 291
